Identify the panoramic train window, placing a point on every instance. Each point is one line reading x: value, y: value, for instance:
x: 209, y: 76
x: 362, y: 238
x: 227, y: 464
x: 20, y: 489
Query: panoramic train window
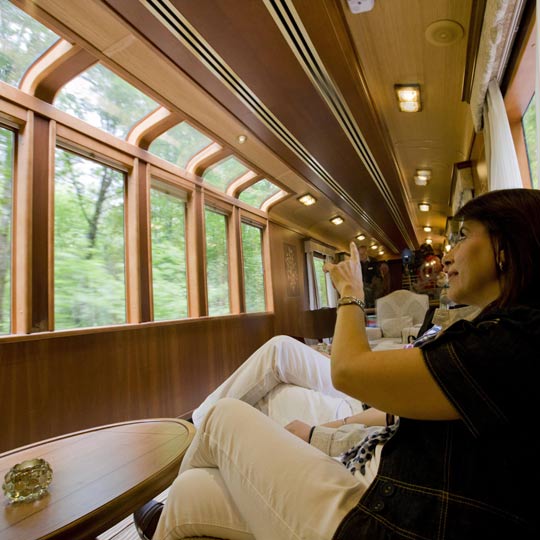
x: 89, y: 260
x: 259, y: 192
x: 104, y: 100
x: 6, y: 181
x: 217, y: 263
x: 169, y: 278
x: 320, y: 278
x: 224, y: 172
x: 253, y: 268
x: 529, y: 131
x: 22, y: 40
x: 179, y: 144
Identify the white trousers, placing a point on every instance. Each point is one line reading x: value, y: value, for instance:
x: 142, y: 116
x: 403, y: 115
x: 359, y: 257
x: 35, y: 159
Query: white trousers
x: 245, y: 477
x: 286, y: 380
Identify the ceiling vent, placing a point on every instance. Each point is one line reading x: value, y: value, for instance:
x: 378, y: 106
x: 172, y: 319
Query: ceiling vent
x: 360, y: 6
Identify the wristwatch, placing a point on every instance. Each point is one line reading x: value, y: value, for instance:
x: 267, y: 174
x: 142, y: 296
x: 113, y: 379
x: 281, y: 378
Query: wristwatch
x: 346, y: 300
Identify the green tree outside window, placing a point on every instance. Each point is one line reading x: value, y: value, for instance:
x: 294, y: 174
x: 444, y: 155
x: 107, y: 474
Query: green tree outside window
x: 217, y: 264
x: 6, y: 181
x: 320, y: 278
x: 529, y: 131
x: 22, y: 41
x: 89, y: 267
x: 169, y: 278
x: 253, y: 268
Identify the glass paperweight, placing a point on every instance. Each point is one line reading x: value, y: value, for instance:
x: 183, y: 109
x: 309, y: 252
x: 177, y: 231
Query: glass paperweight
x: 27, y: 481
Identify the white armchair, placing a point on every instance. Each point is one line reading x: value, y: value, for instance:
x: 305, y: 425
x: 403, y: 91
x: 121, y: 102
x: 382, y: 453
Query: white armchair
x: 399, y: 316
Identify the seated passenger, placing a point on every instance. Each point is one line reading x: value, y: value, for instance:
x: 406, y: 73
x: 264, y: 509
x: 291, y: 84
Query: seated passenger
x: 441, y: 469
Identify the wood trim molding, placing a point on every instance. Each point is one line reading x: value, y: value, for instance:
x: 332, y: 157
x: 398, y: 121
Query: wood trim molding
x: 242, y: 183
x: 54, y: 69
x: 152, y: 126
x: 475, y: 31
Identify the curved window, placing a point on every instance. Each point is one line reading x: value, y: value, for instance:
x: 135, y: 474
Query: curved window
x: 22, y: 41
x: 6, y: 181
x: 179, y: 144
x: 169, y: 278
x: 529, y: 132
x: 89, y: 282
x: 259, y: 192
x: 224, y: 172
x: 104, y: 100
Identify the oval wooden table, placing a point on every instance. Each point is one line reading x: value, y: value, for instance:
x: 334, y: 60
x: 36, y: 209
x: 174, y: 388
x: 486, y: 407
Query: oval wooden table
x: 100, y: 476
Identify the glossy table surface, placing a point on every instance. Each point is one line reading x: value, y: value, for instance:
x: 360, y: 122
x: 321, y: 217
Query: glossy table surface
x: 100, y: 476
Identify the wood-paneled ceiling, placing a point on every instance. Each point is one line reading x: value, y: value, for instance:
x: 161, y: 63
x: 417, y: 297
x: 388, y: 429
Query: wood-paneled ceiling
x: 312, y: 87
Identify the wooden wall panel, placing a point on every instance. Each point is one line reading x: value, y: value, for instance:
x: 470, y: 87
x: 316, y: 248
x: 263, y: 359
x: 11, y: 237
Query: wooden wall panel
x: 289, y: 281
x: 52, y: 385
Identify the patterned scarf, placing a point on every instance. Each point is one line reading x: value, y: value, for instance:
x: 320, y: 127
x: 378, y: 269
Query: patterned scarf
x: 357, y: 457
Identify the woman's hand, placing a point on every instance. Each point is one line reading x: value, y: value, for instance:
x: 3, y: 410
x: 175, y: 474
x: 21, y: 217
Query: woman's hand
x: 347, y: 275
x: 300, y: 429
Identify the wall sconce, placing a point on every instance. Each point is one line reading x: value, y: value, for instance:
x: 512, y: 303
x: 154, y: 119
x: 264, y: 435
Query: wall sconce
x: 337, y: 220
x: 422, y: 177
x: 424, y: 206
x: 307, y: 199
x: 408, y: 96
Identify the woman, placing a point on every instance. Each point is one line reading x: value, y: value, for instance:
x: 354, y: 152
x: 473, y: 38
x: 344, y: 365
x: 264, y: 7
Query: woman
x: 441, y: 471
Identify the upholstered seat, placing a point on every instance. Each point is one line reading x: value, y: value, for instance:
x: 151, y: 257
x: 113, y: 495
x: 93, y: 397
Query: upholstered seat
x: 399, y: 317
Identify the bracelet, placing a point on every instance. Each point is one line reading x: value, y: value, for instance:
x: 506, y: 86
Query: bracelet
x: 344, y: 420
x: 347, y: 300
x: 311, y: 433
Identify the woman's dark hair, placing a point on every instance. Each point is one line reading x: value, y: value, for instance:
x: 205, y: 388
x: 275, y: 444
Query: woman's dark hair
x: 512, y: 218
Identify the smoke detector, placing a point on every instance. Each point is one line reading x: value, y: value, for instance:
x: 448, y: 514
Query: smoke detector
x: 360, y: 6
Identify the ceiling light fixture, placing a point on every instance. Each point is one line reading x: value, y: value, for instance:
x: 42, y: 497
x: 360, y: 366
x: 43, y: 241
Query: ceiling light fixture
x: 307, y: 199
x: 429, y: 241
x: 241, y: 139
x: 427, y: 228
x: 424, y: 206
x: 337, y: 220
x: 422, y: 177
x: 408, y: 96
x: 381, y: 252
x: 448, y: 247
x: 374, y: 246
x: 361, y: 237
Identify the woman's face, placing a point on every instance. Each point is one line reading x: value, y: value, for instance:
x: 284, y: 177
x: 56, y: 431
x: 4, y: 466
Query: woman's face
x: 471, y: 267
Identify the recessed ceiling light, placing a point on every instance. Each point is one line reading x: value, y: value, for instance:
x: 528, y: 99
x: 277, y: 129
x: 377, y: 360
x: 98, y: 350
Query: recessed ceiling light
x: 408, y: 96
x: 427, y: 228
x: 337, y: 220
x: 307, y: 199
x: 424, y: 207
x: 422, y: 177
x: 381, y: 252
x: 374, y: 246
x: 429, y: 241
x: 361, y: 237
x: 241, y: 139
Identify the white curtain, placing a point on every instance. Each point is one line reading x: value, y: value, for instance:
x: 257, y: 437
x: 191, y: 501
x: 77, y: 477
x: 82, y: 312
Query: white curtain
x: 503, y: 168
